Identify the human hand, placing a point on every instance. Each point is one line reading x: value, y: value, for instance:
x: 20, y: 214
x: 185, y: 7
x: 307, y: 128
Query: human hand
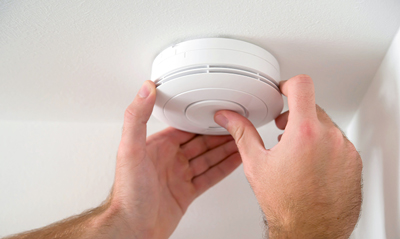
x: 156, y: 180
x: 309, y: 184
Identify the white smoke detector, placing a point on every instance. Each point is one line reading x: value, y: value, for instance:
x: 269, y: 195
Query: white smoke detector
x: 197, y: 78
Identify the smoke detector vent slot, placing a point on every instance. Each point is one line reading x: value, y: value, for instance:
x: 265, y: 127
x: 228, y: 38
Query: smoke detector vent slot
x: 209, y: 69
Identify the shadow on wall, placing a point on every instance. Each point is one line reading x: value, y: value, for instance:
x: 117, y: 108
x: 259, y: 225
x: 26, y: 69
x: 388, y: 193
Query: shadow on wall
x: 378, y: 139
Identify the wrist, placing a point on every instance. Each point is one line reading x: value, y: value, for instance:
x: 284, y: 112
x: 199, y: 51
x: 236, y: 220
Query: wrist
x: 282, y: 233
x: 280, y: 229
x: 303, y: 228
x: 113, y: 222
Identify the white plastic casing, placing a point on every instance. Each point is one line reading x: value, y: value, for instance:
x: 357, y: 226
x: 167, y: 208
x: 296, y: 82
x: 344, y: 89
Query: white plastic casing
x: 197, y: 78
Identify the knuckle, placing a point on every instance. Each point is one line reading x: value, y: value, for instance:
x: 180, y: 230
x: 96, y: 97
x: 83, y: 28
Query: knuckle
x: 351, y: 147
x: 129, y: 114
x: 359, y: 162
x: 300, y: 80
x: 355, y: 155
x: 132, y: 115
x: 308, y: 129
x: 226, y: 149
x: 336, y: 136
x: 206, y: 142
x: 303, y: 78
x: 302, y: 88
x: 189, y: 175
x: 238, y: 134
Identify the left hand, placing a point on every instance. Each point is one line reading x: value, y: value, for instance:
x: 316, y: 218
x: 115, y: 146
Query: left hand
x: 157, y: 179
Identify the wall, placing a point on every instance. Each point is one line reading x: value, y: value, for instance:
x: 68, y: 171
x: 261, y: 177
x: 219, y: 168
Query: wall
x: 375, y: 131
x: 52, y: 170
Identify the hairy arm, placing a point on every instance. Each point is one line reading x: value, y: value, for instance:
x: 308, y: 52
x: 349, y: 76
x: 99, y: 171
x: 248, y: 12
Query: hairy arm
x: 309, y: 184
x: 156, y: 179
x: 94, y: 223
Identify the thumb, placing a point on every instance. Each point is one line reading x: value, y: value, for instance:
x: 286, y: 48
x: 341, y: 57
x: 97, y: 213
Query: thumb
x: 243, y: 131
x: 135, y: 120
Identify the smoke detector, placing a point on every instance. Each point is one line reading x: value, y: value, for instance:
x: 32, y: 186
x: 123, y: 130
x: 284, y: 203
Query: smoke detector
x: 197, y: 78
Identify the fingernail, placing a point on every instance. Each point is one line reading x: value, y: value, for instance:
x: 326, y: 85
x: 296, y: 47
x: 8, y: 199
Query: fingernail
x: 144, y: 91
x: 221, y: 120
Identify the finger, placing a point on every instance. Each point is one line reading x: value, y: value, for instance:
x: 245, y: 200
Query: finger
x: 301, y: 97
x: 135, y: 119
x: 281, y: 120
x: 245, y: 134
x: 215, y: 174
x: 177, y: 136
x: 203, y: 143
x: 207, y: 160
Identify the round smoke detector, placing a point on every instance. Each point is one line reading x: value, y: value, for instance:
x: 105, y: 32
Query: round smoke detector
x: 197, y: 78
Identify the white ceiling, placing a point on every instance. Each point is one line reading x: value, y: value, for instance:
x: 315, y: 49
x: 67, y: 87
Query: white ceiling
x: 83, y: 60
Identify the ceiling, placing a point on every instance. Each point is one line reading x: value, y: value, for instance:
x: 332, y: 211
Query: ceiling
x: 84, y: 61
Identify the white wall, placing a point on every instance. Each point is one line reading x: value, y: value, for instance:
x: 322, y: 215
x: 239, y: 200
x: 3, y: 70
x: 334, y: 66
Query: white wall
x: 52, y: 170
x: 375, y: 131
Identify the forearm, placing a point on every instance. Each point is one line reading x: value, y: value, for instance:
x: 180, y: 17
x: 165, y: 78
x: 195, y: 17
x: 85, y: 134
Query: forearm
x: 96, y: 223
x: 310, y: 227
x: 282, y: 233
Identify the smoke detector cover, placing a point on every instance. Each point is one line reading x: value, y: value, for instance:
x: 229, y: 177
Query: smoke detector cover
x: 197, y: 78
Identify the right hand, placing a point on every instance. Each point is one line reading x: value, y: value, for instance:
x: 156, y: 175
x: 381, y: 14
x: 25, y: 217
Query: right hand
x: 309, y: 184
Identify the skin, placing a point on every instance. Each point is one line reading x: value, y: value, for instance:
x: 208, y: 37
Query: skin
x: 156, y: 179
x: 308, y: 185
